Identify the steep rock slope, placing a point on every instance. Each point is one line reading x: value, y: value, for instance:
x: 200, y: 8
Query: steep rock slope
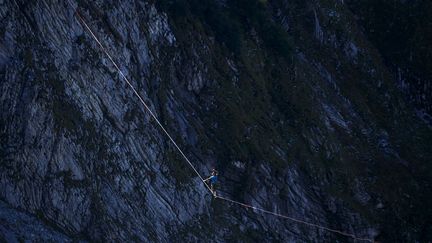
x: 402, y: 32
x: 288, y: 99
x: 18, y: 226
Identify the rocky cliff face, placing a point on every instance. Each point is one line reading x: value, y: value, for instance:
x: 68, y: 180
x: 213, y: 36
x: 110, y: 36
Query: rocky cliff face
x: 290, y: 100
x: 18, y: 226
x: 402, y: 31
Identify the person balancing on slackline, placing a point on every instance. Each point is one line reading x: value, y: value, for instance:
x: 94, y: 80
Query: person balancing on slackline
x: 213, y: 179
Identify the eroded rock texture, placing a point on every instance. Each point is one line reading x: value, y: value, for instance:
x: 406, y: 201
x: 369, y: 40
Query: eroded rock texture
x: 289, y: 99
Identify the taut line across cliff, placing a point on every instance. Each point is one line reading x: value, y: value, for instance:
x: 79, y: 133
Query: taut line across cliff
x: 84, y: 24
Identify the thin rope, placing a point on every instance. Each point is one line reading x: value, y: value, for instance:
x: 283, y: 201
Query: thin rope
x: 295, y: 220
x: 187, y: 159
x: 141, y: 99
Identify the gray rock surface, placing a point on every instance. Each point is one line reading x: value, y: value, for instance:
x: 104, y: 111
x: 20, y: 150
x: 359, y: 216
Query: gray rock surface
x: 18, y: 226
x: 320, y: 134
